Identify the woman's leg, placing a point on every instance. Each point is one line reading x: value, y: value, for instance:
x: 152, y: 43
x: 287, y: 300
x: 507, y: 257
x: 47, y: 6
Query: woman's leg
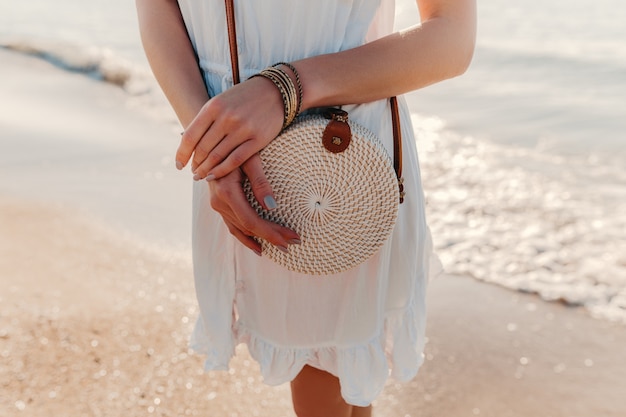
x: 317, y: 393
x: 361, y: 411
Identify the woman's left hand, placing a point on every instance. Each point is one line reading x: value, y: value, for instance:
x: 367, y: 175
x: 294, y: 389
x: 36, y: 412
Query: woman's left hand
x: 228, y: 199
x: 230, y: 128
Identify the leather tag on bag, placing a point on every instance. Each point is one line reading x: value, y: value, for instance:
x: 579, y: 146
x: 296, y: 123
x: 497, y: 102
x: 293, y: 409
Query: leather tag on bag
x: 337, y: 134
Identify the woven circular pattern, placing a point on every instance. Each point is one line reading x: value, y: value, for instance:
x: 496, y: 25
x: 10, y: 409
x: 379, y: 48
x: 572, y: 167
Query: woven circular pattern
x: 343, y: 206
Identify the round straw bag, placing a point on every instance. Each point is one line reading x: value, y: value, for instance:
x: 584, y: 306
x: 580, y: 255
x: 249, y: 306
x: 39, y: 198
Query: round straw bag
x: 336, y: 187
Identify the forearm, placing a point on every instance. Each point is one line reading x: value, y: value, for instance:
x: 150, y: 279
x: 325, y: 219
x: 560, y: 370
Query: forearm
x: 438, y: 49
x: 171, y: 56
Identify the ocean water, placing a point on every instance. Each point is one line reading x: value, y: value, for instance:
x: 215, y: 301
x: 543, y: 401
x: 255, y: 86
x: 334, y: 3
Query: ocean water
x: 523, y: 157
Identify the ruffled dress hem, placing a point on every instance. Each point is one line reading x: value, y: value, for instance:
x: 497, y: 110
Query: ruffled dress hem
x: 363, y: 369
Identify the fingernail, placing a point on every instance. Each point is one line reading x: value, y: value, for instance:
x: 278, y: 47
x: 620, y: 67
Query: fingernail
x: 295, y: 242
x: 210, y: 177
x: 270, y: 203
x: 197, y: 177
x: 283, y: 248
x: 179, y: 165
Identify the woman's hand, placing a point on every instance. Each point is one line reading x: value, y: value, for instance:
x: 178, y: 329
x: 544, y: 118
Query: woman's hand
x: 222, y: 141
x: 230, y: 128
x: 229, y: 200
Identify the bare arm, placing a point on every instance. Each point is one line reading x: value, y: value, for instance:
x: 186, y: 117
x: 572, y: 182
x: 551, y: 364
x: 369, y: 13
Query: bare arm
x: 171, y: 56
x: 440, y: 48
x: 174, y: 65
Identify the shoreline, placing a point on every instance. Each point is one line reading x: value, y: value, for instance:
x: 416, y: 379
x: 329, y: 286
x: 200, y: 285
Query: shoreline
x: 70, y: 139
x: 95, y: 321
x: 92, y: 323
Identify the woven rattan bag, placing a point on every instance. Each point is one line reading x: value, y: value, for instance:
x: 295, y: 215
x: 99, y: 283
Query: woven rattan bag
x: 334, y: 183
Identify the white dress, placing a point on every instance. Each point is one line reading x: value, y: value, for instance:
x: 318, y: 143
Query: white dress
x: 361, y: 325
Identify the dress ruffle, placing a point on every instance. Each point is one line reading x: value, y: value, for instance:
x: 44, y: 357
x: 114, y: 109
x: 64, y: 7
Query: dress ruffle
x: 362, y: 369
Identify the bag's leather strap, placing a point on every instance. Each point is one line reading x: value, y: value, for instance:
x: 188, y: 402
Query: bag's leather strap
x: 232, y: 40
x: 395, y: 115
x: 397, y: 137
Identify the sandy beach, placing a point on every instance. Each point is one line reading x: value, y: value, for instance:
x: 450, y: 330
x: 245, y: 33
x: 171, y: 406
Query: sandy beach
x: 97, y: 303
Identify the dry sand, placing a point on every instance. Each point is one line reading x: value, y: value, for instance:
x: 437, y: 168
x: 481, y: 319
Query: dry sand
x: 94, y: 322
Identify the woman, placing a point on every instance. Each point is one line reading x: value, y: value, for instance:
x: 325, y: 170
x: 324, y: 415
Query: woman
x: 336, y: 338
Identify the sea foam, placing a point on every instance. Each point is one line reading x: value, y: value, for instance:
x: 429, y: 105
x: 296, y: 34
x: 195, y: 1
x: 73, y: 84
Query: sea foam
x: 97, y: 62
x: 527, y: 220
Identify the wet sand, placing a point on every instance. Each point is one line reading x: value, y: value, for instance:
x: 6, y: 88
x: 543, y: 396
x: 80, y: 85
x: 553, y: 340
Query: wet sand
x: 94, y: 321
x: 95, y: 324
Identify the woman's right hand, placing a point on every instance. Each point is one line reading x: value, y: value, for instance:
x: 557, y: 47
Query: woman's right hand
x: 243, y: 222
x: 230, y: 128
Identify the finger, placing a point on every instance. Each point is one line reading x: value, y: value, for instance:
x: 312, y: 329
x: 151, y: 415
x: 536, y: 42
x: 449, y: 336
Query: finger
x: 188, y: 142
x: 246, y: 217
x: 229, y: 217
x: 235, y: 159
x: 273, y: 233
x: 261, y: 187
x: 246, y: 240
x: 229, y: 154
x: 199, y: 127
x: 201, y: 153
x: 199, y: 156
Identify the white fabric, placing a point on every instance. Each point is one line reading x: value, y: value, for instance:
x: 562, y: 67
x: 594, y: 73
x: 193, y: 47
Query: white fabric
x: 359, y: 325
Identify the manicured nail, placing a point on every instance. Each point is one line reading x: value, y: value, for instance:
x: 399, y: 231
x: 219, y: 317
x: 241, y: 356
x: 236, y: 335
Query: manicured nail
x: 179, y: 165
x: 270, y: 203
x: 283, y: 248
x: 197, y: 177
x: 295, y: 242
x: 210, y: 177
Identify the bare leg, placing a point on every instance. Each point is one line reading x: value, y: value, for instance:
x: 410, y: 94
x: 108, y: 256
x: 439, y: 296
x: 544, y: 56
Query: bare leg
x: 317, y: 393
x: 361, y: 411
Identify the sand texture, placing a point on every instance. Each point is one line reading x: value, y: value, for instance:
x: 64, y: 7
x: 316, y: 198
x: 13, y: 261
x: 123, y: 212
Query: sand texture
x: 94, y: 321
x: 95, y: 325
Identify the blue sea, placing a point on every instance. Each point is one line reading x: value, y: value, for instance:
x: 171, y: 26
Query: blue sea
x: 523, y: 157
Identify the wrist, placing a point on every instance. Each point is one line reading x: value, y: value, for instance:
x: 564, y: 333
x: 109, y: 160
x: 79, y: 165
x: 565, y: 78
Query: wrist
x: 313, y: 82
x: 294, y: 75
x: 285, y: 78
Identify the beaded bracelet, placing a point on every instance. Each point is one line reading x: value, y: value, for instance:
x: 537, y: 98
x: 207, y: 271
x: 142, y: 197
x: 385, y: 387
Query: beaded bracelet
x: 298, y: 82
x: 292, y: 97
x: 280, y: 77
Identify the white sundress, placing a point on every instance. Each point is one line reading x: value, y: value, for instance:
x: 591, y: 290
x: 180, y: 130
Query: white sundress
x: 361, y: 325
